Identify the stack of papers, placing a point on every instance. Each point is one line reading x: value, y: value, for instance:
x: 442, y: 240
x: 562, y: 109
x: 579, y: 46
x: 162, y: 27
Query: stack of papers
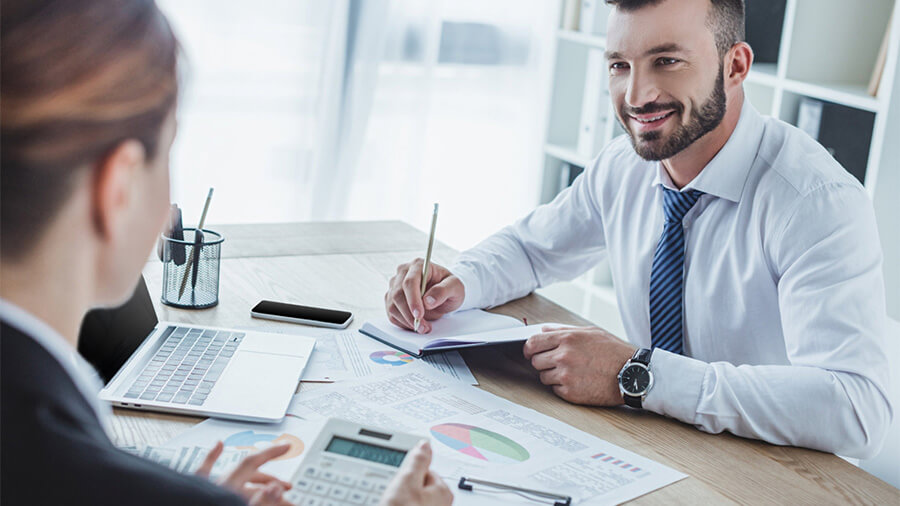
x: 473, y: 433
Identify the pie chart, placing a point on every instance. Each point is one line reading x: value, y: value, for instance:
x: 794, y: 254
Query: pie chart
x: 390, y: 357
x: 480, y: 443
x: 253, y: 441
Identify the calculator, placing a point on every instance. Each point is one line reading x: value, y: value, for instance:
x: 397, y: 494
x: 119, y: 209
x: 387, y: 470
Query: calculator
x: 349, y: 464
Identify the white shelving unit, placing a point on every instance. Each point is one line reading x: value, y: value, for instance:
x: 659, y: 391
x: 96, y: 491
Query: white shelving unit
x: 827, y: 51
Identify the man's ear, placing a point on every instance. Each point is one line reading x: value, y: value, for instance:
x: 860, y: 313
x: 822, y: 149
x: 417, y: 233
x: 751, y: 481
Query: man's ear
x: 114, y: 184
x: 737, y: 63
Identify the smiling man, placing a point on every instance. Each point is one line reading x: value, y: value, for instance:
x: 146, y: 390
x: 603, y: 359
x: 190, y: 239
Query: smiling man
x: 746, y: 260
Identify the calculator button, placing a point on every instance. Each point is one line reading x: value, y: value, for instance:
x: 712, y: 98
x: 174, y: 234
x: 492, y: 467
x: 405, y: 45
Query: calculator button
x: 338, y: 492
x: 329, y: 475
x: 365, y: 485
x: 357, y: 497
x: 380, y: 487
x: 346, y: 479
x: 326, y: 502
x: 311, y: 501
x: 373, y: 500
x: 311, y: 472
x: 293, y: 496
x: 301, y: 485
x: 320, y: 488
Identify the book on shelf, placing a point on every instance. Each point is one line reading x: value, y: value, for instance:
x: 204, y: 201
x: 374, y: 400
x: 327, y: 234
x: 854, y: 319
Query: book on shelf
x: 570, y: 13
x: 878, y: 70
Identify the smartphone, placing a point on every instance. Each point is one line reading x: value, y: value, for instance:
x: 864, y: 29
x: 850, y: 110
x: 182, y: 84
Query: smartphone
x: 306, y: 315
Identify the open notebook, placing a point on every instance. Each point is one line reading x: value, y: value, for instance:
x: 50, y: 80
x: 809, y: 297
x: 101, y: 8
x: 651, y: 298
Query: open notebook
x: 464, y: 329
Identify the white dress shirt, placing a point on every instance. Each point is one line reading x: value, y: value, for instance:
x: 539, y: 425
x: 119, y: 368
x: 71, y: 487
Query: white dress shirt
x: 784, y: 307
x: 83, y: 374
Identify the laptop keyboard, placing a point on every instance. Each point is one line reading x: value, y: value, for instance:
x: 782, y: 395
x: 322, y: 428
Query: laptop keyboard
x: 186, y: 366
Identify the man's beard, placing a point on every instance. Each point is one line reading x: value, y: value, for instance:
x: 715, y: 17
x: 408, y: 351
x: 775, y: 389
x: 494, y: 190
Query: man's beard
x: 703, y: 120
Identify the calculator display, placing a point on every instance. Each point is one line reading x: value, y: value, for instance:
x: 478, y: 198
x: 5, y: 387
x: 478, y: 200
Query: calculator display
x: 365, y: 451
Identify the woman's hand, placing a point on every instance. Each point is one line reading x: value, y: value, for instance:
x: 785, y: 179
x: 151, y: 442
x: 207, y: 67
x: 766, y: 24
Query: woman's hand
x: 258, y: 488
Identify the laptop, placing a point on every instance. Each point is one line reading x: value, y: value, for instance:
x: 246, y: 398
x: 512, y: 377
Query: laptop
x: 190, y: 369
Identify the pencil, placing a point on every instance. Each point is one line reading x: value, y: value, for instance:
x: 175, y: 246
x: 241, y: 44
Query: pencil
x: 190, y: 261
x: 427, y: 263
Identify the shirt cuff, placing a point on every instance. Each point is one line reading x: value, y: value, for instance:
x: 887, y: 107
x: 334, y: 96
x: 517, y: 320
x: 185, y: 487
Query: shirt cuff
x: 677, y: 381
x: 471, y: 284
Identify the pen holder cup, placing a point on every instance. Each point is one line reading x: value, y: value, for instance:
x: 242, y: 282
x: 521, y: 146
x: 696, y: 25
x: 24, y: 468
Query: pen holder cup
x: 191, y: 269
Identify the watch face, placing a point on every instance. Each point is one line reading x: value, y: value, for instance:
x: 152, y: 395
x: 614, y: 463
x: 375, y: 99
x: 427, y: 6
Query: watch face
x: 635, y: 379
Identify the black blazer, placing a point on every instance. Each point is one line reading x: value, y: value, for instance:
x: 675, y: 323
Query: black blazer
x: 54, y: 450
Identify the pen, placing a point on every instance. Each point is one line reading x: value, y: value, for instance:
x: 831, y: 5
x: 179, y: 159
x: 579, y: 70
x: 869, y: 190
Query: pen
x: 191, y: 258
x: 558, y: 499
x: 198, y: 243
x: 427, y: 261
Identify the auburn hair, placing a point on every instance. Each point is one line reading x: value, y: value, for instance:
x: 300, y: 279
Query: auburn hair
x: 77, y: 78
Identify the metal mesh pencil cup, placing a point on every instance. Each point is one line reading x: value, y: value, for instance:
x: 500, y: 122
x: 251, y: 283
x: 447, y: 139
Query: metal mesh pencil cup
x: 201, y: 263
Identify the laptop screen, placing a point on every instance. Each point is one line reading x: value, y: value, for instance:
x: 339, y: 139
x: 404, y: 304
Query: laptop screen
x: 108, y: 337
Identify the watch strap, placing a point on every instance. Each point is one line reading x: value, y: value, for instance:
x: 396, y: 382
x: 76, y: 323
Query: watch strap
x: 633, y: 401
x: 642, y: 355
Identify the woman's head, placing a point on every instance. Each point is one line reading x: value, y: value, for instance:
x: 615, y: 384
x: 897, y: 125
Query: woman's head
x: 87, y: 118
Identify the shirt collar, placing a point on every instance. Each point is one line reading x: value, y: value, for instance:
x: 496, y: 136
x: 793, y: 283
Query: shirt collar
x: 726, y: 174
x: 85, y: 377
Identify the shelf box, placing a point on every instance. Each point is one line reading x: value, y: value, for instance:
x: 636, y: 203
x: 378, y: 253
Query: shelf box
x: 764, y: 26
x: 846, y: 132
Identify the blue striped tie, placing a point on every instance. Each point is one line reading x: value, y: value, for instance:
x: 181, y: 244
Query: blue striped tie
x: 667, y: 274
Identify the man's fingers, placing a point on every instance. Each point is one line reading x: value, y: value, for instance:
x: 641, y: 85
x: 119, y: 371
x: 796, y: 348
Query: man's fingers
x: 210, y: 460
x: 550, y: 377
x: 400, y: 312
x: 412, y: 289
x: 540, y: 343
x: 544, y: 360
x: 394, y: 317
x: 438, y: 294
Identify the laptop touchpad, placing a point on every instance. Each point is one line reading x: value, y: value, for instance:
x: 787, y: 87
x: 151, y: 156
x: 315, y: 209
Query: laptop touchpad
x: 277, y: 343
x: 258, y: 384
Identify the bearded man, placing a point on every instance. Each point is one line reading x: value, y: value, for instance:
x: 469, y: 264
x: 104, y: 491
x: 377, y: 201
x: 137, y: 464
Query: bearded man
x: 746, y: 260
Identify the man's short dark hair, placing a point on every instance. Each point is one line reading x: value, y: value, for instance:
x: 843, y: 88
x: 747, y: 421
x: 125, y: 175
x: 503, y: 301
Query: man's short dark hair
x: 726, y: 19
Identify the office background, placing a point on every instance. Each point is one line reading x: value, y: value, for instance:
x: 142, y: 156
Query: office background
x: 374, y: 109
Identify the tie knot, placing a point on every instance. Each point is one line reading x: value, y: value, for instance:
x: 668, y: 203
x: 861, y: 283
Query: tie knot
x: 677, y: 204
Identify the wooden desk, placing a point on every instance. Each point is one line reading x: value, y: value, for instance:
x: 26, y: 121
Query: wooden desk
x: 347, y: 265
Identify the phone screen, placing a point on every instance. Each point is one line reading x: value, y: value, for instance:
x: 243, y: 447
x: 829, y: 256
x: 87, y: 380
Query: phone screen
x: 302, y: 312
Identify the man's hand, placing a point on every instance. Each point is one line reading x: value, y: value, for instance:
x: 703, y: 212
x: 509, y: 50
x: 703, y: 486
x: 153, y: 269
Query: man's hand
x: 416, y: 485
x: 404, y: 302
x: 259, y: 489
x: 580, y: 363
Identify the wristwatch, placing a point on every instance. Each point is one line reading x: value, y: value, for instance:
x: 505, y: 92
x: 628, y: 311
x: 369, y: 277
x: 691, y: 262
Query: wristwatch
x: 635, y: 378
